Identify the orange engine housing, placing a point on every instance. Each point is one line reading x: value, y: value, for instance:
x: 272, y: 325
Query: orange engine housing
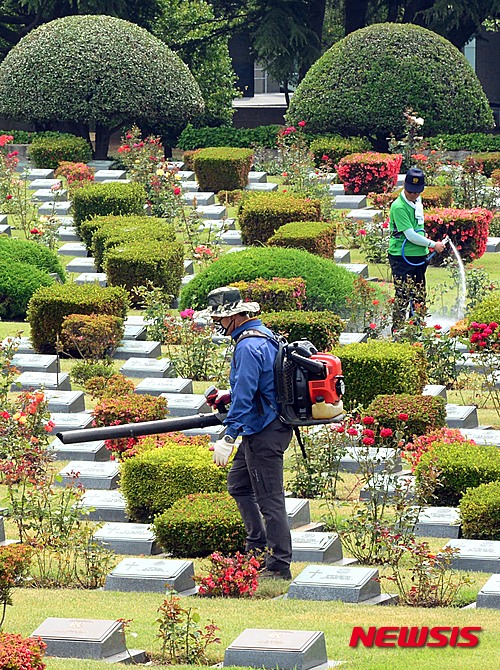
x: 331, y: 388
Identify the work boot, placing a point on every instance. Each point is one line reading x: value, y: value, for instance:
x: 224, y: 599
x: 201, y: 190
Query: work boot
x: 284, y: 573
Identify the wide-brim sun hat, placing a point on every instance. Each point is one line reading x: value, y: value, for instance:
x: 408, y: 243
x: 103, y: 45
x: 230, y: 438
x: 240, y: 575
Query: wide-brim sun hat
x: 226, y: 301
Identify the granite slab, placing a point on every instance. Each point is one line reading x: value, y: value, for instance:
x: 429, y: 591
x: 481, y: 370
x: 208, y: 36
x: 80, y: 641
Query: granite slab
x: 104, y: 505
x: 438, y: 522
x: 298, y: 513
x: 91, y: 475
x: 128, y: 538
x: 157, y: 385
x: 147, y: 367
x: 185, y: 404
x: 35, y: 362
x: 79, y: 451
x: 489, y: 595
x: 328, y: 582
x: 36, y: 380
x: 151, y: 575
x: 137, y: 349
x: 316, y: 547
x: 65, y: 401
x: 476, y: 555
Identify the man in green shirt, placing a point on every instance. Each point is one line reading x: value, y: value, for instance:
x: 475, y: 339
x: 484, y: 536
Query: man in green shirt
x: 408, y: 247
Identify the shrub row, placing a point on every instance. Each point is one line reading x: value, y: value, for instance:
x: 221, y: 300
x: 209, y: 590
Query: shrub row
x: 321, y: 328
x: 467, y: 229
x: 104, y: 199
x: 333, y: 148
x: 370, y: 172
x: 48, y: 152
x: 274, y: 295
x: 27, y: 136
x: 465, y: 142
x: 317, y: 237
x: 227, y: 136
x: 480, y: 512
x: 425, y: 413
x: 487, y: 310
x: 222, y: 168
x: 490, y: 161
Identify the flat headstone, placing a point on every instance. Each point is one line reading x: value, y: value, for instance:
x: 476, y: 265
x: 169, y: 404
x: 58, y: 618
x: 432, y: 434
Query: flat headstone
x: 102, y: 175
x: 65, y: 401
x: 365, y: 215
x: 48, y: 195
x: 158, y: 385
x: 4, y: 219
x: 75, y: 421
x: 68, y: 234
x: 257, y: 177
x: 389, y: 485
x: 352, y: 338
x: 23, y: 344
x: 73, y: 249
x: 113, y: 181
x: 186, y: 175
x: 91, y: 475
x: 66, y: 220
x: 232, y: 237
x: 214, y: 432
x: 185, y: 404
x: 136, y: 320
x: 101, y: 164
x: 360, y: 269
x: 37, y: 173
x: 147, y: 367
x: 234, y: 249
x: 482, y: 436
x: 211, y: 211
x: 267, y: 187
x: 472, y: 363
x: 436, y: 390
x: 219, y: 224
x: 438, y: 522
x: 55, y: 207
x: 152, y: 575
x: 189, y: 186
x: 35, y: 362
x: 5, y: 230
x: 461, y: 416
x: 104, y: 505
x: 316, y: 547
x: 328, y: 582
x: 489, y: 595
x: 201, y: 198
x: 277, y: 649
x: 80, y: 265
x: 353, y: 459
x: 97, y: 639
x: 137, y: 349
x: 179, y: 165
x: 49, y: 380
x: 476, y: 555
x: 297, y: 511
x: 493, y: 245
x: 336, y: 189
x: 342, y: 256
x: 188, y: 266
x: 92, y: 278
x: 128, y: 538
x: 349, y: 201
x: 45, y: 184
x: 79, y: 451
x: 186, y: 279
x: 132, y: 332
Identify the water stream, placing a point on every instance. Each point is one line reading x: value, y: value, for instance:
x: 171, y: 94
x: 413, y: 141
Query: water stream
x: 458, y: 311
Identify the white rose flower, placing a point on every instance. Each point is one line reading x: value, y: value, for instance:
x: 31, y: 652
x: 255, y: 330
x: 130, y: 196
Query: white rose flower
x: 419, y: 121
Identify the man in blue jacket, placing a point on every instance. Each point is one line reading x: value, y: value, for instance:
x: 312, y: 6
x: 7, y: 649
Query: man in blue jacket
x: 255, y: 479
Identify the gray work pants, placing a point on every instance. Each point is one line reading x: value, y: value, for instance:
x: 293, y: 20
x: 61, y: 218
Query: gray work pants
x: 255, y: 481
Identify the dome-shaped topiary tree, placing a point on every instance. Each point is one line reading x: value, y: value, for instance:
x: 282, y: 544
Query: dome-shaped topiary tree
x: 365, y: 82
x: 97, y: 71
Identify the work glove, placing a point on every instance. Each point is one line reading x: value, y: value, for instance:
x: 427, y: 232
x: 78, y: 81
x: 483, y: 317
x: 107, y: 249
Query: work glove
x: 219, y: 399
x: 222, y: 449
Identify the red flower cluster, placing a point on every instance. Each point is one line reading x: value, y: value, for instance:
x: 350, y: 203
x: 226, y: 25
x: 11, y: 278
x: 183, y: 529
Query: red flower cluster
x: 5, y: 139
x: 369, y: 172
x: 19, y: 653
x: 230, y: 576
x: 466, y: 228
x: 414, y: 450
x: 484, y: 336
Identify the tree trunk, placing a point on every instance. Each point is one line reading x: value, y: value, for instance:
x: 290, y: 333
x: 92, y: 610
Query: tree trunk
x: 355, y: 15
x: 102, y: 137
x: 286, y: 91
x: 315, y: 20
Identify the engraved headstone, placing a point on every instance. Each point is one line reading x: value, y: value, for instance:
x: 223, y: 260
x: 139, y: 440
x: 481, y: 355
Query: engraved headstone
x: 214, y: 432
x: 22, y: 344
x: 35, y: 362
x: 366, y: 215
x: 156, y: 386
x: 73, y: 249
x: 316, y: 547
x: 400, y: 484
x: 81, y: 265
x: 35, y: 184
x: 128, y: 538
x: 185, y: 404
x: 147, y: 367
x: 186, y: 175
x: 257, y: 177
x: 461, y: 416
x: 75, y: 421
x: 277, y: 649
x: 329, y: 582
x: 102, y: 175
x: 336, y: 189
x: 297, y: 511
x: 5, y: 229
x: 342, y: 256
x: 65, y: 401
x: 357, y: 458
x: 489, y: 595
x: 91, y: 475
x: 232, y: 237
x: 151, y: 574
x: 37, y: 173
x: 349, y: 201
x: 133, y: 332
x: 35, y: 380
x: 360, y: 269
x: 435, y: 390
x: 482, y: 436
x: 438, y: 522
x: 68, y: 234
x: 92, y: 278
x: 104, y: 505
x: 211, y: 211
x: 97, y: 639
x: 267, y: 187
x: 352, y: 338
x: 55, y: 207
x: 476, y: 555
x: 79, y: 451
x: 47, y: 194
x: 493, y: 245
x: 202, y: 198
x: 137, y: 349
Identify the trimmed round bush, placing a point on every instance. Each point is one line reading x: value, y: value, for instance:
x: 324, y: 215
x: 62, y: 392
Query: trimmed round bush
x: 104, y: 199
x: 49, y: 152
x: 487, y: 310
x: 364, y: 83
x: 222, y: 168
x: 321, y: 328
x: 24, y: 251
x: 480, y: 512
x: 337, y: 147
x: 317, y: 237
x: 18, y: 282
x: 327, y: 284
x: 198, y: 525
x: 425, y: 413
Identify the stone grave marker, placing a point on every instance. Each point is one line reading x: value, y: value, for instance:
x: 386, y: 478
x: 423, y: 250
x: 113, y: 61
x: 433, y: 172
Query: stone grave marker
x: 55, y: 208
x: 277, y: 649
x: 65, y: 401
x: 97, y: 639
x: 352, y: 338
x: 476, y: 555
x: 256, y: 177
x: 342, y: 256
x: 438, y: 522
x: 212, y: 211
x: 360, y: 269
x: 232, y: 237
x: 4, y: 219
x: 186, y: 175
x: 297, y: 511
x: 49, y: 380
x: 81, y: 265
x: 128, y: 538
x: 219, y: 224
x: 133, y: 332
x: 489, y: 595
x: 214, y: 432
x: 175, y: 164
x: 102, y: 175
x: 189, y: 186
x: 147, y: 367
x: 136, y: 320
x: 349, y: 202
x: 73, y: 249
x: 79, y: 451
x: 482, y: 436
x: 152, y: 574
x: 101, y: 164
x: 35, y: 184
x: 461, y: 416
x: 185, y: 280
x: 189, y: 266
x: 47, y: 194
x: 23, y: 344
x: 389, y: 485
x: 329, y: 582
x: 355, y: 456
x: 365, y: 215
x: 137, y: 349
x: 35, y: 362
x: 267, y: 187
x: 104, y: 505
x: 201, y: 198
x: 435, y: 390
x: 5, y: 230
x: 70, y: 421
x: 96, y: 475
x: 68, y: 234
x: 92, y: 278
x: 186, y: 404
x: 156, y: 386
x: 316, y: 547
x: 493, y: 245
x: 112, y: 181
x: 37, y: 173
x: 336, y: 189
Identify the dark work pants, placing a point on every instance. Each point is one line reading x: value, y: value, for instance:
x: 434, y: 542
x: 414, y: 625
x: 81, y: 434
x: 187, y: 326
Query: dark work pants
x: 409, y: 286
x: 255, y: 481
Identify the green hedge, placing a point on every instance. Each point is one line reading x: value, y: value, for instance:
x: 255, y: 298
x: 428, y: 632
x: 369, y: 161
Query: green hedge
x: 260, y: 214
x: 490, y: 161
x: 49, y: 305
x: 227, y: 136
x: 464, y: 142
x: 461, y: 465
x: 494, y: 227
x: 48, y: 152
x: 135, y: 263
x: 380, y: 367
x: 18, y: 282
x: 480, y: 512
x: 222, y: 168
x: 337, y: 147
x: 317, y: 237
x: 487, y: 310
x: 37, y: 255
x: 327, y: 284
x: 320, y: 328
x: 274, y: 295
x: 152, y: 481
x: 437, y: 196
x: 425, y: 413
x: 198, y: 525
x: 104, y: 199
x: 27, y: 136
